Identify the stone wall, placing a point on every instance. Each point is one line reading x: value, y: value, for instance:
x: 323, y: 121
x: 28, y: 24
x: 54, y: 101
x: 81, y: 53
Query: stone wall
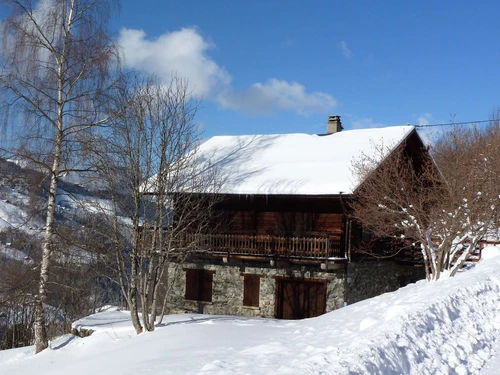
x: 227, y: 292
x: 345, y: 283
x: 371, y: 278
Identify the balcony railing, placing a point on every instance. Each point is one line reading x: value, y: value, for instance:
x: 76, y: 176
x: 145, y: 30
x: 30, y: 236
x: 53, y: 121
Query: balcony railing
x: 264, y: 245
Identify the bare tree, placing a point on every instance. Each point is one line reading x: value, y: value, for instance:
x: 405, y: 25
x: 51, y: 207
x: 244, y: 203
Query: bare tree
x: 56, y: 56
x: 18, y: 282
x: 152, y: 148
x: 75, y: 287
x: 445, y: 212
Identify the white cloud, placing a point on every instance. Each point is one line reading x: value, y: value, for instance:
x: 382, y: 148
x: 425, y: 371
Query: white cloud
x: 182, y: 52
x: 424, y: 119
x: 185, y: 53
x: 38, y: 20
x: 278, y: 94
x: 428, y: 135
x: 346, y: 52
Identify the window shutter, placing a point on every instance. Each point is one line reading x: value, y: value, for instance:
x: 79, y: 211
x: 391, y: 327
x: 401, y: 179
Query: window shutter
x: 192, y: 284
x: 251, y: 290
x: 199, y: 285
x: 206, y: 286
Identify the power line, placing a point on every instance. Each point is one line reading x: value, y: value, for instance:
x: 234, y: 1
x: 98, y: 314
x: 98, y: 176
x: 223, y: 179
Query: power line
x: 454, y: 123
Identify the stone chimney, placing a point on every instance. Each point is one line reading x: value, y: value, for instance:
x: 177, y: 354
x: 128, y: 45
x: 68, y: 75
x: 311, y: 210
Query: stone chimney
x: 334, y: 124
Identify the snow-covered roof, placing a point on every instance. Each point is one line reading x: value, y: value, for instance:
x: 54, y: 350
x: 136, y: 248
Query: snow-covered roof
x: 295, y: 164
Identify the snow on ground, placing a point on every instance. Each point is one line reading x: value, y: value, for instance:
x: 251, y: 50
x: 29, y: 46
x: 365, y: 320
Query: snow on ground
x: 447, y: 327
x: 11, y: 253
x: 12, y: 211
x: 86, y: 203
x: 11, y: 216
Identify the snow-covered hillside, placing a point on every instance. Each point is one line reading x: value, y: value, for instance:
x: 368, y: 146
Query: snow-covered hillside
x: 22, y: 206
x: 75, y: 261
x: 447, y: 327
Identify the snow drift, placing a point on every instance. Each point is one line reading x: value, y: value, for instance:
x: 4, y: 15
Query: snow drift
x: 445, y: 327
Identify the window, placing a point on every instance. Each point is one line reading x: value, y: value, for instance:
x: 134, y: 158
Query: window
x: 199, y: 285
x: 251, y: 289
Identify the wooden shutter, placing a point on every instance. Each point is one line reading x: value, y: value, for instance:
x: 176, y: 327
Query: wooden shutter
x: 199, y: 285
x: 206, y: 279
x: 192, y: 284
x: 251, y: 290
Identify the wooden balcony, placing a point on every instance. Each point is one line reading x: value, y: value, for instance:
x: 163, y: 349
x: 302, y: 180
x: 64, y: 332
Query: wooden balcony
x: 264, y: 245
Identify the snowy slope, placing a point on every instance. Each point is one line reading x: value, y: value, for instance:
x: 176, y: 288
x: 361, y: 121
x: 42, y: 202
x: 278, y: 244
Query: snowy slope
x: 15, y: 203
x: 12, y: 213
x: 11, y: 216
x: 447, y: 327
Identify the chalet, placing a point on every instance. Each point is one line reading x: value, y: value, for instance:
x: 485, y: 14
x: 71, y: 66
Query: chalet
x: 287, y: 247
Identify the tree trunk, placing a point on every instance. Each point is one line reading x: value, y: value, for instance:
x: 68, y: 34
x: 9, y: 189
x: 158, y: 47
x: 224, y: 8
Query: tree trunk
x: 41, y: 339
x: 132, y: 299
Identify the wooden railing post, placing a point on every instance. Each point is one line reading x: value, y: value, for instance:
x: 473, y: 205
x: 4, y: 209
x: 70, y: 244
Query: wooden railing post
x: 264, y: 245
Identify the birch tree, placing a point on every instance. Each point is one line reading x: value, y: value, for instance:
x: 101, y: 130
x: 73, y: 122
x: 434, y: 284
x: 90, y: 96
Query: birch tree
x: 442, y: 212
x: 56, y: 56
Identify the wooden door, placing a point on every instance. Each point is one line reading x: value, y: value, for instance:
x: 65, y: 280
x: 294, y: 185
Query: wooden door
x: 300, y: 298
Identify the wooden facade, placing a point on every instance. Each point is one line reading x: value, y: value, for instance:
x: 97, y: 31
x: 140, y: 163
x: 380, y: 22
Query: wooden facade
x: 285, y: 215
x: 279, y: 226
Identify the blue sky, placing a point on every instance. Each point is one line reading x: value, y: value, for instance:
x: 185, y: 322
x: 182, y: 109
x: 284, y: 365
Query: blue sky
x: 284, y: 66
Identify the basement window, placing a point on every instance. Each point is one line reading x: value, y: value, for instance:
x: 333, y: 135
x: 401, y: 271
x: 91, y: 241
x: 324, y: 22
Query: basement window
x: 251, y: 290
x: 199, y: 285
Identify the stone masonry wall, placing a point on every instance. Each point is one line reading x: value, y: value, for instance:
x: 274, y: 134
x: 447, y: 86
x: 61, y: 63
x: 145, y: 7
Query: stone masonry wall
x: 227, y: 292
x: 371, y: 278
x: 346, y: 283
